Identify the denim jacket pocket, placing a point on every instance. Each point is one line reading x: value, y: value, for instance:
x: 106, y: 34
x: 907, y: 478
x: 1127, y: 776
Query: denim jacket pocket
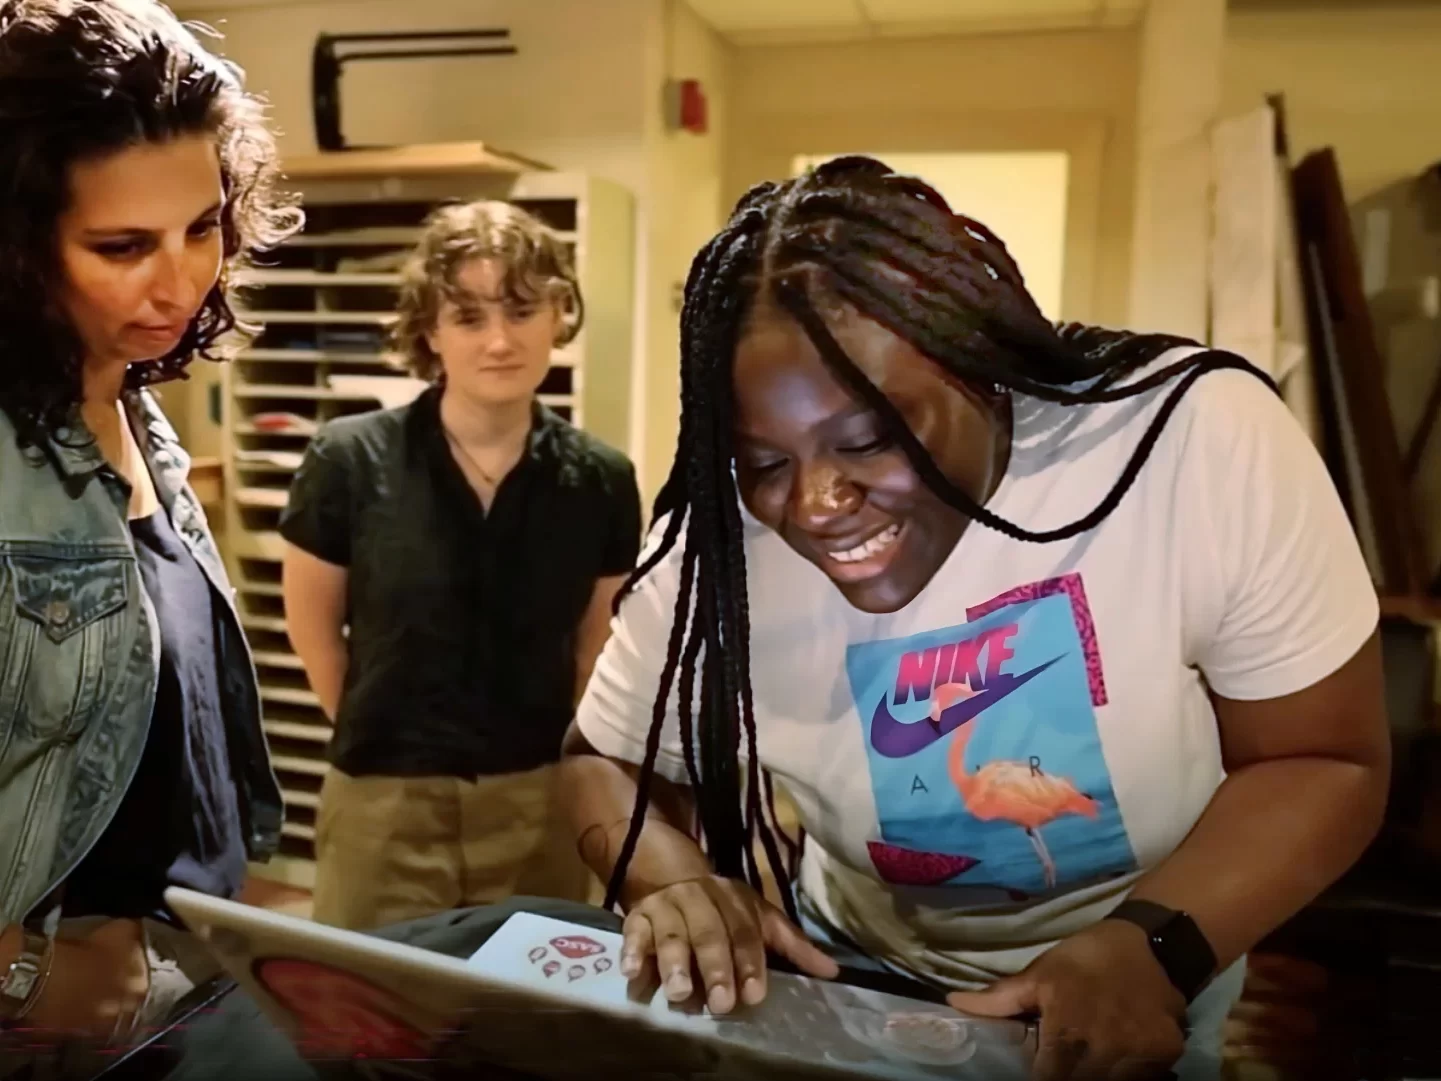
x: 60, y: 627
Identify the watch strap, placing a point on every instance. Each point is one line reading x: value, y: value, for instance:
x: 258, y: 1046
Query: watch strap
x: 24, y: 978
x: 1178, y: 945
x: 1149, y: 916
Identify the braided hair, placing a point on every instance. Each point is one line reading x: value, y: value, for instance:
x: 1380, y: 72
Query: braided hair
x: 850, y: 231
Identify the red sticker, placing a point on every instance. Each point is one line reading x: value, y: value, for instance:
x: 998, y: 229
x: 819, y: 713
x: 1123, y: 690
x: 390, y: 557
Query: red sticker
x: 576, y: 946
x: 340, y: 1014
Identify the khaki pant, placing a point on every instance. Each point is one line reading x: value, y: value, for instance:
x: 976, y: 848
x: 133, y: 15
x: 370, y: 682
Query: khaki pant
x: 389, y: 849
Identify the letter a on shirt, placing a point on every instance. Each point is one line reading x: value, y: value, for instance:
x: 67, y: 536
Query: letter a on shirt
x: 984, y: 755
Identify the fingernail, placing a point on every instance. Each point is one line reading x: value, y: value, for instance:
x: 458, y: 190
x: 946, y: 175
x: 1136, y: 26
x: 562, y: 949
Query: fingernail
x: 629, y: 966
x: 752, y: 991
x: 677, y: 984
x: 720, y: 1000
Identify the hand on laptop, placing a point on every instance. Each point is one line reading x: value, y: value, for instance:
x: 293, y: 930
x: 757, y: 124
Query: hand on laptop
x: 95, y: 986
x: 719, y: 928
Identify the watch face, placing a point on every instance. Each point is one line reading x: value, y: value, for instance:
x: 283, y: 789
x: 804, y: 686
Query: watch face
x: 1185, y: 954
x: 21, y: 982
x: 1176, y: 942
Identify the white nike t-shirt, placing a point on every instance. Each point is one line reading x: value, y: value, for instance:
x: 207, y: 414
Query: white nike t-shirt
x: 989, y: 769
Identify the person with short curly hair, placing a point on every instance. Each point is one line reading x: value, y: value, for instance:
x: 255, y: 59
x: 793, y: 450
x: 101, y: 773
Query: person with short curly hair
x: 472, y: 541
x: 535, y: 267
x: 135, y: 173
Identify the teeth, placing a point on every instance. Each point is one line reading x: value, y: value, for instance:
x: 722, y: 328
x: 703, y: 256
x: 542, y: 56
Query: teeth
x: 879, y: 543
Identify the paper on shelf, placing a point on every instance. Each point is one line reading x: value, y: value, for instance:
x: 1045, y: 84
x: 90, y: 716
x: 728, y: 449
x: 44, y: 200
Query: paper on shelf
x: 281, y: 423
x: 281, y: 459
x: 389, y: 390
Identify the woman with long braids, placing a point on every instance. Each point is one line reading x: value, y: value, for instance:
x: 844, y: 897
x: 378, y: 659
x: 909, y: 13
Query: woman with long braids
x: 1057, y: 639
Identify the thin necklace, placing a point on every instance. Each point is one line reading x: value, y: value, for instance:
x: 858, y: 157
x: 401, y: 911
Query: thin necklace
x: 484, y: 474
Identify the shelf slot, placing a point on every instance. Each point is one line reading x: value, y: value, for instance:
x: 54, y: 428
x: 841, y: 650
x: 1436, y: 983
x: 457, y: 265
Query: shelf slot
x: 311, y: 733
x: 290, y: 696
x: 372, y: 319
x: 309, y: 767
x: 272, y: 659
x: 317, y: 278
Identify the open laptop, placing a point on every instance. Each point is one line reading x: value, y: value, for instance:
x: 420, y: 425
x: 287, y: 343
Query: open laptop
x: 546, y: 1000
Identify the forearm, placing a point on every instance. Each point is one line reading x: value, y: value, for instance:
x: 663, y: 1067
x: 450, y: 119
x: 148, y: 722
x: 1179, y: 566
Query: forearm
x: 594, y: 629
x: 584, y: 665
x: 323, y: 652
x: 1273, y: 837
x: 599, y: 798
x: 9, y: 946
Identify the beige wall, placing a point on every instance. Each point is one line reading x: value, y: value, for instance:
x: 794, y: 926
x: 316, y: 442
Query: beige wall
x: 1366, y: 82
x: 1177, y: 102
x: 583, y: 93
x: 542, y: 102
x: 684, y: 211
x: 1055, y: 91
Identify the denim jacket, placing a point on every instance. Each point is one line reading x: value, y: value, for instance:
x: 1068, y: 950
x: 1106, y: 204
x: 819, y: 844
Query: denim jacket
x: 79, y: 655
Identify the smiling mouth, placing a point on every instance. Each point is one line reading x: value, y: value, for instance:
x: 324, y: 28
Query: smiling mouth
x: 868, y: 549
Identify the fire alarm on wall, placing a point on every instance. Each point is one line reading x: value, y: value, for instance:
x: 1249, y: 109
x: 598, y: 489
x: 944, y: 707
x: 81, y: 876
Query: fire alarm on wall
x: 685, y: 106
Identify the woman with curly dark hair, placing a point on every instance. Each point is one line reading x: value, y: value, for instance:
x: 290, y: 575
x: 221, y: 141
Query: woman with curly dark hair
x: 135, y: 171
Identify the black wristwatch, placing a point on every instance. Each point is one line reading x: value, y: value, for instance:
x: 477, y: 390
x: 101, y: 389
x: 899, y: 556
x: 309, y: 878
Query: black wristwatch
x: 1176, y: 941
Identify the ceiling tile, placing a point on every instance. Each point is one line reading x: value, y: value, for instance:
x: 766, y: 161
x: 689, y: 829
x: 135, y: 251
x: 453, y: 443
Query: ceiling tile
x: 744, y: 15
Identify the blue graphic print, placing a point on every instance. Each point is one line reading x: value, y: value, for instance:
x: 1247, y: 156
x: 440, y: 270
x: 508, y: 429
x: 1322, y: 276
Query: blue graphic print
x: 985, y: 760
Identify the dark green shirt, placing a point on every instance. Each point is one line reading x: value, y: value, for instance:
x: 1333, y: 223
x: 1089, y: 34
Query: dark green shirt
x: 463, y: 623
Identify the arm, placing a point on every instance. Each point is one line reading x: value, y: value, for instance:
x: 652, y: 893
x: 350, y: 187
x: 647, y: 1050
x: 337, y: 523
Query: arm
x: 1304, y: 795
x: 622, y: 547
x: 91, y: 980
x: 9, y: 946
x: 680, y: 915
x: 1280, y: 619
x: 1307, y: 775
x: 613, y: 719
x: 598, y: 796
x: 1291, y: 655
x: 594, y: 629
x: 315, y: 605
x: 317, y: 524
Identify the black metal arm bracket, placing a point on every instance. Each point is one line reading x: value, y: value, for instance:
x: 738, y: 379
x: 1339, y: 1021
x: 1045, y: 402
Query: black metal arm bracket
x: 333, y: 51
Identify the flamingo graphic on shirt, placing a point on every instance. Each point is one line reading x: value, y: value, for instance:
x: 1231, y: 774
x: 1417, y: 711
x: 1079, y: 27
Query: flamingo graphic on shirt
x: 1009, y: 791
x: 985, y: 759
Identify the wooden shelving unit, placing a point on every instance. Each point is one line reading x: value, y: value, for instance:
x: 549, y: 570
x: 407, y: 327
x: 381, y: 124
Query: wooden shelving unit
x: 324, y: 300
